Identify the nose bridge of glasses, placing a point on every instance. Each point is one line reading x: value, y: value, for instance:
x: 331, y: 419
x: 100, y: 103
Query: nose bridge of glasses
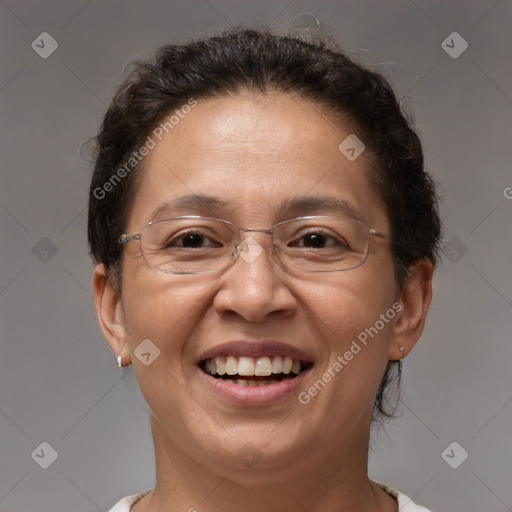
x: 257, y: 230
x: 249, y: 235
x: 249, y: 247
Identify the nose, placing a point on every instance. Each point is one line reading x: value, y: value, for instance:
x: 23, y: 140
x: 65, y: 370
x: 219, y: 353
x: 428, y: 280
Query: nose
x: 255, y: 286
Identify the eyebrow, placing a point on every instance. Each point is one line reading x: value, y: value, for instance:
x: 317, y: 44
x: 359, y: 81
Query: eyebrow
x: 328, y: 204
x: 198, y: 204
x: 190, y: 204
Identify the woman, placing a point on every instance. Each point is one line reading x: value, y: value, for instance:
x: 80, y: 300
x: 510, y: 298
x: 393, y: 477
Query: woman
x: 264, y: 235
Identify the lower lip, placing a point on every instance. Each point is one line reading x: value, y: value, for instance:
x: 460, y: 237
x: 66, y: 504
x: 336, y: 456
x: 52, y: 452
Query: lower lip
x: 253, y: 395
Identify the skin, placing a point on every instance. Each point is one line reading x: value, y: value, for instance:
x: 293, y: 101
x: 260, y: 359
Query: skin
x: 255, y: 151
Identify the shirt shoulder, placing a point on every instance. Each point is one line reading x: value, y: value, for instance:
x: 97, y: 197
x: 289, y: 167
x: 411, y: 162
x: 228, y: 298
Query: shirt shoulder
x: 405, y: 504
x: 125, y: 504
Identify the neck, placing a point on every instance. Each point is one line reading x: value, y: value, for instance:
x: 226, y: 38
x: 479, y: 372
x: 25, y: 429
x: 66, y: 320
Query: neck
x: 321, y: 480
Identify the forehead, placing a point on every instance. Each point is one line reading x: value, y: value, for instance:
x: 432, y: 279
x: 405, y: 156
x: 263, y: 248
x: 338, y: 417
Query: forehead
x: 257, y: 156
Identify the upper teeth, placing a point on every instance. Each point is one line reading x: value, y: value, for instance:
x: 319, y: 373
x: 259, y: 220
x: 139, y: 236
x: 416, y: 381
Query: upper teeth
x: 249, y: 366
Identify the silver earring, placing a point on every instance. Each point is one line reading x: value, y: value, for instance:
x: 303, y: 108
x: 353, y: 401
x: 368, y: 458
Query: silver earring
x: 119, y: 361
x: 401, y: 362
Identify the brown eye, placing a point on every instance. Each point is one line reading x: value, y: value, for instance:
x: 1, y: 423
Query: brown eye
x: 318, y: 240
x: 192, y: 240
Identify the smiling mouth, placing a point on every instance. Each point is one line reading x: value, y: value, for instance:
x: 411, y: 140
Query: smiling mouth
x: 250, y: 371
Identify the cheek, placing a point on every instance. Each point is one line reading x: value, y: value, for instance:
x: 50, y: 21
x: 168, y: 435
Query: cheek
x: 349, y: 302
x: 353, y: 317
x: 160, y: 308
x: 166, y: 313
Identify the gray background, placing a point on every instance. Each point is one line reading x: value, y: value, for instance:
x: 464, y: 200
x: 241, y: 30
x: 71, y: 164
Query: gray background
x: 59, y: 382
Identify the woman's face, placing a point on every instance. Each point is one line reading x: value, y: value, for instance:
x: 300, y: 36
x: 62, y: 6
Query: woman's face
x: 256, y: 153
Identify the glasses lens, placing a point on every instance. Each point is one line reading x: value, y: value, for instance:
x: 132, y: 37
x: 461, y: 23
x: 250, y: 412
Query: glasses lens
x: 187, y: 245
x: 200, y: 244
x: 322, y: 244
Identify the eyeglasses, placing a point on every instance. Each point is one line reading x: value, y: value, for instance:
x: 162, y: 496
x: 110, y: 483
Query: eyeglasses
x: 193, y: 244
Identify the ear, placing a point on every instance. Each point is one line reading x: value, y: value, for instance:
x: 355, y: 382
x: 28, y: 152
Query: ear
x: 107, y: 302
x: 415, y: 300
